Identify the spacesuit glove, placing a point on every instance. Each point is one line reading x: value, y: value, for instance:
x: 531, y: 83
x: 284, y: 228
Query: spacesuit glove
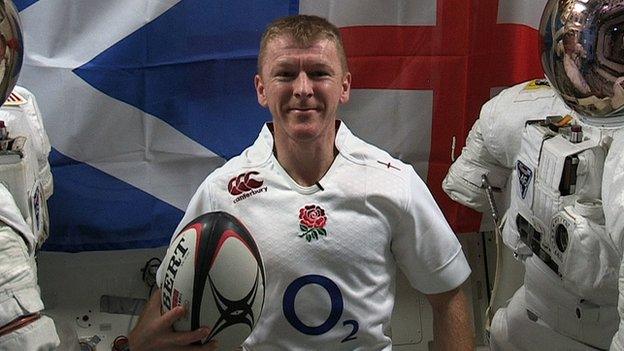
x: 154, y: 332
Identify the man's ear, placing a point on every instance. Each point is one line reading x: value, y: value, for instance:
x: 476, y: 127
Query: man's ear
x: 260, y: 91
x: 346, y: 88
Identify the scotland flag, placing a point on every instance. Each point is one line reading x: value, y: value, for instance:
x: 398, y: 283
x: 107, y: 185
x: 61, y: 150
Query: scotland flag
x: 142, y: 99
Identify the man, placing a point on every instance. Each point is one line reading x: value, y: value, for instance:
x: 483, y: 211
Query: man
x: 369, y: 213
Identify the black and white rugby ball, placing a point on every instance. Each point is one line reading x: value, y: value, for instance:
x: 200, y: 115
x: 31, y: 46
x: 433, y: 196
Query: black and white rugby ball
x: 213, y: 267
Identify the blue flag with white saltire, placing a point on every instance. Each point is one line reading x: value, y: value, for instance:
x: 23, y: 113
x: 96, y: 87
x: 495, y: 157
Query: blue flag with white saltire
x: 142, y: 99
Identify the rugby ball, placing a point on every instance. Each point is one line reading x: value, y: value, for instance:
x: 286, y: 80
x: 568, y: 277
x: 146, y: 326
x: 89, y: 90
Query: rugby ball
x: 213, y: 267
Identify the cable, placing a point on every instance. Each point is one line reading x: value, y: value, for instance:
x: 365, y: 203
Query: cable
x: 149, y: 272
x: 134, y: 311
x: 149, y: 277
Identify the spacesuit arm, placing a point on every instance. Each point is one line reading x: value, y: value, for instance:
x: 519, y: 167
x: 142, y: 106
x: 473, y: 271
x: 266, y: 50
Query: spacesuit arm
x: 22, y: 325
x: 613, y: 205
x: 618, y: 339
x: 463, y: 182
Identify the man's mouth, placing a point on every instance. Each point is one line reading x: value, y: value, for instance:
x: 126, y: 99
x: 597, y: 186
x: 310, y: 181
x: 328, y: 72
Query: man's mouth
x: 302, y: 109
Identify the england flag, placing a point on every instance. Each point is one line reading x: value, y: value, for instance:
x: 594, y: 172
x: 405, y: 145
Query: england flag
x: 142, y: 99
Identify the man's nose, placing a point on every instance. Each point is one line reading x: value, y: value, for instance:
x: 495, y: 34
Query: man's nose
x: 303, y: 86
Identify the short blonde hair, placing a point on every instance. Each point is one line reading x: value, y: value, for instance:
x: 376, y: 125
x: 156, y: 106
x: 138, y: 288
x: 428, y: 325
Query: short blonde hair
x: 305, y: 30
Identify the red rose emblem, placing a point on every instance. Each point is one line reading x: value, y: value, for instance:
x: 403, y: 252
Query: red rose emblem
x: 312, y: 221
x: 312, y: 216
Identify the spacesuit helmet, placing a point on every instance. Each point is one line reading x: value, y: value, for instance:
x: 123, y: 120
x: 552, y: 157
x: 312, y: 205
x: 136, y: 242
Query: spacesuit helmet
x: 11, y: 48
x: 582, y: 53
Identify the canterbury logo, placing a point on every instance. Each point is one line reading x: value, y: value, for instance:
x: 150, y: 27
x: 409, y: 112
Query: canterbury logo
x: 244, y: 182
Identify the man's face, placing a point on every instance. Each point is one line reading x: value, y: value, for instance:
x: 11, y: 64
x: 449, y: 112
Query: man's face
x: 302, y: 87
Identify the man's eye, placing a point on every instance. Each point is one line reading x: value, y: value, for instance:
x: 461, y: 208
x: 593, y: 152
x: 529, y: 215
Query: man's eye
x: 284, y: 74
x: 318, y: 74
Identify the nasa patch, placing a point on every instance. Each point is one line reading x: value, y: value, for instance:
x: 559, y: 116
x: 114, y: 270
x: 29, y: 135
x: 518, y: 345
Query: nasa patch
x: 525, y: 174
x: 36, y: 208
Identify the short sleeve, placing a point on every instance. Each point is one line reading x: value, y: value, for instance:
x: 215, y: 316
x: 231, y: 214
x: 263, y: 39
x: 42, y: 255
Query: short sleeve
x: 425, y: 247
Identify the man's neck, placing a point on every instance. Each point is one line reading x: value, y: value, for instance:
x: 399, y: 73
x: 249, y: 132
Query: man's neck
x: 305, y: 162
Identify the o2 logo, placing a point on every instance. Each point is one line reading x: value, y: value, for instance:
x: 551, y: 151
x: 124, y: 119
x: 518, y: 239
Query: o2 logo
x: 337, y: 307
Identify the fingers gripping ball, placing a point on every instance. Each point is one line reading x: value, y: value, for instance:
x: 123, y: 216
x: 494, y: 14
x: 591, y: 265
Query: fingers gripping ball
x: 213, y: 267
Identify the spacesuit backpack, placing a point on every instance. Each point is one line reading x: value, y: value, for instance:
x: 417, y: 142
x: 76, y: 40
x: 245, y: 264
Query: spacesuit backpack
x: 24, y: 168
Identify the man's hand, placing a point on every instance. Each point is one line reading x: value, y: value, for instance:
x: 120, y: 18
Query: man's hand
x: 452, y: 326
x: 154, y: 332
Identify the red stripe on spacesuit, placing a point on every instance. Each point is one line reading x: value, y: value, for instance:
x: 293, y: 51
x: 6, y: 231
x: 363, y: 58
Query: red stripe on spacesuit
x: 19, y: 323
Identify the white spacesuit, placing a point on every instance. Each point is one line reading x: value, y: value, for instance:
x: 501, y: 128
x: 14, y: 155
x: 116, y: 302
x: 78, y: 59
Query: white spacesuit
x: 25, y: 186
x: 555, y: 174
